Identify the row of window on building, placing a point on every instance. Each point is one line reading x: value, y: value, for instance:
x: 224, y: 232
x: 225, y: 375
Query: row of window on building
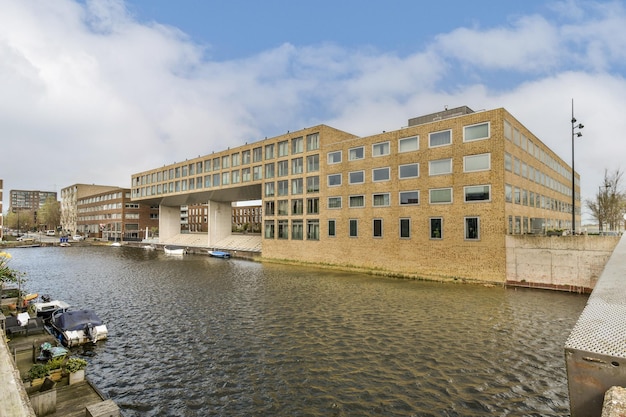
x: 295, y: 229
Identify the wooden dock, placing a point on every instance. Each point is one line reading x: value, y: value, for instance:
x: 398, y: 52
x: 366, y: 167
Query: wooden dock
x: 71, y: 400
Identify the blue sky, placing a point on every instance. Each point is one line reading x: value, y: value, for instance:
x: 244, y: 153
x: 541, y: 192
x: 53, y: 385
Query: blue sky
x: 94, y: 91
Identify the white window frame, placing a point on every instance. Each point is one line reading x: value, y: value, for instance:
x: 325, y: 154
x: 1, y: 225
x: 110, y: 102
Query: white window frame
x: 334, y: 175
x: 381, y: 149
x: 408, y: 204
x: 350, y: 156
x: 409, y: 140
x: 355, y: 172
x: 465, y: 237
x: 354, y: 196
x: 430, y: 135
x: 477, y: 157
x: 330, y: 157
x: 430, y: 167
x: 430, y: 196
x: 476, y: 201
x: 387, y: 204
x: 337, y: 198
x: 405, y: 165
x: 465, y: 136
x: 382, y: 230
x: 375, y: 170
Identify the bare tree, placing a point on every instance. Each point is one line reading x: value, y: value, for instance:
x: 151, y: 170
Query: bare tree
x: 609, y: 203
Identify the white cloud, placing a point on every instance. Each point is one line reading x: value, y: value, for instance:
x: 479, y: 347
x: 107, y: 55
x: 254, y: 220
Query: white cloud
x: 91, y: 95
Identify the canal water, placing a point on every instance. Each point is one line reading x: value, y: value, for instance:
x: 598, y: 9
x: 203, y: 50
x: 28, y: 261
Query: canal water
x: 199, y: 336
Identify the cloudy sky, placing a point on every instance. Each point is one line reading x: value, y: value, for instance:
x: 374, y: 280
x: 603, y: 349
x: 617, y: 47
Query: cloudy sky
x: 94, y: 91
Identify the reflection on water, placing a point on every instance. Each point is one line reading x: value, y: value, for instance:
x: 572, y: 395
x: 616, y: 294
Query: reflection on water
x: 199, y: 336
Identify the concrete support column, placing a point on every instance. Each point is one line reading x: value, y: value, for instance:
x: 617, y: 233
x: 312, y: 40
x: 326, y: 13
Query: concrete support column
x: 169, y: 222
x: 219, y: 221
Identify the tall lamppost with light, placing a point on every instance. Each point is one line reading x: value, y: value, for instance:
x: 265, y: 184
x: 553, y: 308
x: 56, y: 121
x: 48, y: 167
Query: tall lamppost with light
x: 575, y: 134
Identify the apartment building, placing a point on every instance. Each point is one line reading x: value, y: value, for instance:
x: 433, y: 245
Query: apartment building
x: 29, y: 199
x: 69, y: 203
x: 433, y: 199
x: 111, y: 215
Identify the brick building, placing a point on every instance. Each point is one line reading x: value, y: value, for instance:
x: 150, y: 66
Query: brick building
x: 433, y: 199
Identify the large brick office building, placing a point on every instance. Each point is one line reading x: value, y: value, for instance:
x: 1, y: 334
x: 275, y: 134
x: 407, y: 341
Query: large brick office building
x: 433, y: 199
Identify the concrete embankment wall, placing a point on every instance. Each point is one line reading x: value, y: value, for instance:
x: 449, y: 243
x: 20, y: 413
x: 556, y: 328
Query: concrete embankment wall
x: 14, y: 401
x: 568, y: 263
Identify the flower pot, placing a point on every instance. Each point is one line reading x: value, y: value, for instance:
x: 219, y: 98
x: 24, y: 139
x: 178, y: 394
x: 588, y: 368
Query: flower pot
x: 77, y: 376
x: 56, y: 375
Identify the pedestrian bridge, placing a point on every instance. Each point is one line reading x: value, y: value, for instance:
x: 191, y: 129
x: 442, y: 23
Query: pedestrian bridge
x: 235, y: 242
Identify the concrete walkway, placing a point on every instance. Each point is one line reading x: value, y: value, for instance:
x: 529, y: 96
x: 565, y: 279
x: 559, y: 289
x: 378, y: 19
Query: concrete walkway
x: 14, y: 401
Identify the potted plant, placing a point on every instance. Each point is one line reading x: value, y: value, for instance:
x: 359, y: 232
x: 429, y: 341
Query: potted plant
x: 76, y: 368
x: 55, y: 367
x: 37, y: 373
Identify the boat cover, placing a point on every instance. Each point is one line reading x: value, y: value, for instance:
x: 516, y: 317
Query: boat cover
x: 76, y: 320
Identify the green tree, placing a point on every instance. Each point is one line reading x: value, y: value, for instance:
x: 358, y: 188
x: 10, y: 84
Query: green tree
x: 8, y: 275
x: 49, y: 214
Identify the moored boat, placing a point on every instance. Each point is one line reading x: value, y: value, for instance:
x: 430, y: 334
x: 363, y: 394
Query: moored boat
x: 78, y: 327
x: 46, y: 308
x: 174, y: 250
x: 219, y: 254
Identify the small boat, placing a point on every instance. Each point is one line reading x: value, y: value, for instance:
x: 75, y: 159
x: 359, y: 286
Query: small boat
x: 78, y: 327
x: 64, y: 245
x: 116, y: 244
x: 149, y: 247
x: 174, y: 250
x: 219, y: 254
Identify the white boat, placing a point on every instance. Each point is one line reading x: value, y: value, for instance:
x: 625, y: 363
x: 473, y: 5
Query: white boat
x: 149, y: 247
x: 78, y: 327
x: 116, y: 244
x: 174, y: 250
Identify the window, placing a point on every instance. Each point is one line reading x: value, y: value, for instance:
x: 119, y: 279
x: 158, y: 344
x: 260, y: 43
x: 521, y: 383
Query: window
x: 334, y: 202
x: 269, y: 229
x: 283, y: 229
x: 405, y: 228
x: 334, y: 180
x: 380, y: 174
x: 226, y: 178
x: 226, y: 161
x: 508, y: 162
x: 377, y: 227
x: 440, y: 167
x: 313, y: 184
x: 297, y: 229
x: 357, y: 201
x: 257, y: 154
x: 312, y: 142
x: 478, y: 193
x: 313, y: 229
x: 409, y: 198
x: 408, y: 144
x: 297, y: 206
x: 283, y: 207
x: 312, y: 206
x: 332, y: 228
x: 283, y: 148
x: 334, y: 157
x: 472, y: 163
x: 216, y: 180
x: 245, y: 157
x: 442, y: 138
x: 245, y: 175
x: 283, y: 169
x: 380, y: 149
x: 508, y: 193
x: 381, y: 200
x: 257, y: 172
x: 409, y: 171
x: 297, y: 186
x: 354, y: 227
x: 207, y: 167
x: 216, y: 164
x: 312, y: 163
x: 356, y: 154
x: 297, y: 145
x: 476, y: 132
x: 472, y: 228
x: 269, y: 170
x: 441, y: 195
x: 296, y: 166
x: 269, y: 151
x: 235, y: 160
x: 270, y: 208
x: 207, y: 181
x: 436, y: 228
x: 283, y: 187
x: 269, y: 189
x: 356, y: 177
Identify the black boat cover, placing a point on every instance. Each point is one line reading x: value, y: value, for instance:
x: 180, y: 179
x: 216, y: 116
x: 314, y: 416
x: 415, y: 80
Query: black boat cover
x: 76, y: 320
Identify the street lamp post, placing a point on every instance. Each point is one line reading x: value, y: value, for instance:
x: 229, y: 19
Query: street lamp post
x: 574, y: 135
